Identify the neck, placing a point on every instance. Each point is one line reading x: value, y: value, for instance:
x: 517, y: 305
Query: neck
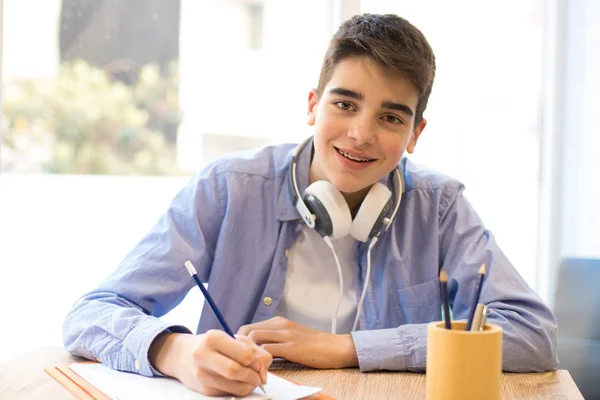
x: 355, y: 199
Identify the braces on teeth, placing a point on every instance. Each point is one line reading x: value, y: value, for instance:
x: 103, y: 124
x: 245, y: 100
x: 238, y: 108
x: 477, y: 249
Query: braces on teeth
x: 352, y: 157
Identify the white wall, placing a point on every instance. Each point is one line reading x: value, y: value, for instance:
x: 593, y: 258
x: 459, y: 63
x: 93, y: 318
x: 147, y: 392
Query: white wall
x: 60, y: 236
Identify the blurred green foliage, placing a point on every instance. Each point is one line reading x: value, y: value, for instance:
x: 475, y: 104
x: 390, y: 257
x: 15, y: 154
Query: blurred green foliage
x: 84, y: 122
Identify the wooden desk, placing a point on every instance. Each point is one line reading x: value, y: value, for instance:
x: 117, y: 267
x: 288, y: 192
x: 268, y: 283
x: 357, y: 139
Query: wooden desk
x: 24, y: 378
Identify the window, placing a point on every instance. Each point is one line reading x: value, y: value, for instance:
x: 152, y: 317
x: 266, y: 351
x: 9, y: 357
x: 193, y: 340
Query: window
x: 254, y: 15
x: 109, y: 107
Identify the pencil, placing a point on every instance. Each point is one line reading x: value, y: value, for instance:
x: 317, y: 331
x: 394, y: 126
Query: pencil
x: 213, y: 306
x: 444, y: 288
x: 478, y: 317
x: 483, y: 317
x: 477, y: 294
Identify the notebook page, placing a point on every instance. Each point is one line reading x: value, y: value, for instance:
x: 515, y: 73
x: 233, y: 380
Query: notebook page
x: 127, y: 386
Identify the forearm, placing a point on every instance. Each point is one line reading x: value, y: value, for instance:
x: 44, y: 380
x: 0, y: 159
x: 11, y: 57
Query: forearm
x: 164, y: 352
x: 527, y: 347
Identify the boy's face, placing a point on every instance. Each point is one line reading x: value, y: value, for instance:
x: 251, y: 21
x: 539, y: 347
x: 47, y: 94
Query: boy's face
x: 363, y: 122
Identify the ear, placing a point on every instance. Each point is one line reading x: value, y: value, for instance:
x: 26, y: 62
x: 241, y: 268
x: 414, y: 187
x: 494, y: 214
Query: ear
x: 313, y: 100
x: 412, y: 143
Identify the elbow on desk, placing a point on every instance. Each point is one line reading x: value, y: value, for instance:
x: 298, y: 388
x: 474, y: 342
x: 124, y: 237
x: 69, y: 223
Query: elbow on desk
x: 74, y: 331
x: 532, y: 351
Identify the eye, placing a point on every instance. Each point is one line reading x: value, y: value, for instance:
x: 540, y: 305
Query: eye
x: 344, y: 105
x: 393, y: 119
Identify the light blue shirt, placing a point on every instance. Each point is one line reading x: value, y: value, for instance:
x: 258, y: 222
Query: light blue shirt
x: 235, y: 220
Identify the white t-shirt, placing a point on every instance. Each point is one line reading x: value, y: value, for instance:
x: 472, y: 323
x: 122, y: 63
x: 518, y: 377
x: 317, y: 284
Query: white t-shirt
x: 311, y: 290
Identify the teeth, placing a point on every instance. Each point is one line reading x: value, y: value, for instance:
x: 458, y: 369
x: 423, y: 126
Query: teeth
x: 352, y: 157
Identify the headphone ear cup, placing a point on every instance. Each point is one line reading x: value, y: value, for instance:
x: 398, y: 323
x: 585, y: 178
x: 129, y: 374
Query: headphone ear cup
x: 369, y: 219
x: 327, y: 204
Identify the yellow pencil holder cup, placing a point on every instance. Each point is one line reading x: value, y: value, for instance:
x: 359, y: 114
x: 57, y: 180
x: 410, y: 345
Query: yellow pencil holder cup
x: 463, y: 364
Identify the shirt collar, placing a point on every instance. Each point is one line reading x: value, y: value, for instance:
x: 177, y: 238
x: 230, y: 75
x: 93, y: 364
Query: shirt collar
x: 286, y: 211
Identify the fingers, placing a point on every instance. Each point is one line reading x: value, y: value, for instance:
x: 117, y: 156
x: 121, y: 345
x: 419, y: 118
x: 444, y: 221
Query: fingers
x: 266, y: 336
x: 274, y: 323
x: 278, y: 350
x: 241, y: 351
x: 231, y: 370
x: 237, y: 359
x: 216, y: 385
x: 262, y: 364
x: 263, y: 357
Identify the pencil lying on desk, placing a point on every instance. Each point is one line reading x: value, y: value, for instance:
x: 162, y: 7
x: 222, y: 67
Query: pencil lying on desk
x: 190, y: 267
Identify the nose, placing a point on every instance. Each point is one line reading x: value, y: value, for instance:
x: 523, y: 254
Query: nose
x: 363, y: 132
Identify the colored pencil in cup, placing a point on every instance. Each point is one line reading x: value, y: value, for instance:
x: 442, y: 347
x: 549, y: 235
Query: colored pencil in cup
x: 445, y: 302
x: 476, y: 298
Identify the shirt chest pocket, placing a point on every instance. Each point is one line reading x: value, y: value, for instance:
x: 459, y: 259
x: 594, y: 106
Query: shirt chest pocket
x: 420, y: 303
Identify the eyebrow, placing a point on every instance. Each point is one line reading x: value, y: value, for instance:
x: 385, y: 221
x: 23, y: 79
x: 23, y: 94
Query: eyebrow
x: 386, y: 104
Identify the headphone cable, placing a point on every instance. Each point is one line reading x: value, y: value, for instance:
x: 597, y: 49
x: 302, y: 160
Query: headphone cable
x: 327, y: 240
x: 366, y: 284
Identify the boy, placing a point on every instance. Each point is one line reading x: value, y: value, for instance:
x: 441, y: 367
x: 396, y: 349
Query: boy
x: 267, y: 245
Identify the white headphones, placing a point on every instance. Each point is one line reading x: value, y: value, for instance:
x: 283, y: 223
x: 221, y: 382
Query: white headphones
x: 323, y: 207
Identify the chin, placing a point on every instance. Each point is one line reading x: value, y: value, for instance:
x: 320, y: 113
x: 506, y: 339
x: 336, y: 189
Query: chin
x: 345, y: 185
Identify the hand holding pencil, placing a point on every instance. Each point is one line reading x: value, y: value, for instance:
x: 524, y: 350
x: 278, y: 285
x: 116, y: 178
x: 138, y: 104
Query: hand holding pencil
x: 214, y: 363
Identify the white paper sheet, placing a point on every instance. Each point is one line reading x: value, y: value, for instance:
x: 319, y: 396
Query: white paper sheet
x: 126, y: 386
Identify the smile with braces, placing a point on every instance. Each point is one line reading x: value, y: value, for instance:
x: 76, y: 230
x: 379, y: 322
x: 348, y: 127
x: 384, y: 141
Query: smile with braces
x: 359, y: 159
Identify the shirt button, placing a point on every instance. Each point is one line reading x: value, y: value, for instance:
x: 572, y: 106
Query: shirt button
x: 287, y: 253
x: 137, y: 365
x: 267, y: 300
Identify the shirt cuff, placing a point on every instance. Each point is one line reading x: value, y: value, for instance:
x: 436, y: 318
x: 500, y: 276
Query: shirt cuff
x: 396, y: 349
x: 136, y: 345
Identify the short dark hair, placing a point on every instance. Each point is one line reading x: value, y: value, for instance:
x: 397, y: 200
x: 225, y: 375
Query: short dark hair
x: 391, y: 41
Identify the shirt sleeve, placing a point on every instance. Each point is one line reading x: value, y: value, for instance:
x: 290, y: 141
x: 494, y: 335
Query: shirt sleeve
x: 394, y: 349
x: 529, y: 327
x: 117, y: 322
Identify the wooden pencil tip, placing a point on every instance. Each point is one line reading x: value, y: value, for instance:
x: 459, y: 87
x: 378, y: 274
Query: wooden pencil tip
x: 482, y: 269
x: 443, y: 276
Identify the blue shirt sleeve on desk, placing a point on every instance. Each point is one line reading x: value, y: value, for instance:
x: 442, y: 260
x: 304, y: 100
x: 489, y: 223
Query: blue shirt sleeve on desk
x: 117, y: 322
x: 235, y: 221
x: 393, y: 349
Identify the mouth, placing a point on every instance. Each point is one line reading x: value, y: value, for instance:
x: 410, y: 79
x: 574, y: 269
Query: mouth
x: 348, y: 156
